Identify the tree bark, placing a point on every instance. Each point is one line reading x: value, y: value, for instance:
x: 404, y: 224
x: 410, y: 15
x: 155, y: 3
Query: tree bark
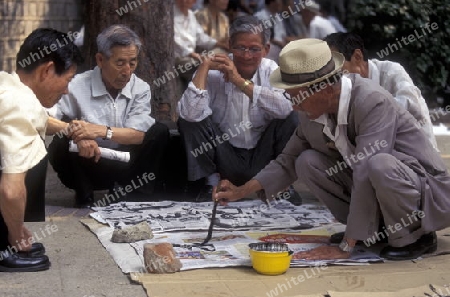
x: 152, y: 20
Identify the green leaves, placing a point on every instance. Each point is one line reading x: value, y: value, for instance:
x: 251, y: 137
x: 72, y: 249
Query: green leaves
x: 385, y: 22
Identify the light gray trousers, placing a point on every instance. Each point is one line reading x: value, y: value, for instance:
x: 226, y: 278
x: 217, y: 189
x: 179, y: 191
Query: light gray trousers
x: 396, y: 186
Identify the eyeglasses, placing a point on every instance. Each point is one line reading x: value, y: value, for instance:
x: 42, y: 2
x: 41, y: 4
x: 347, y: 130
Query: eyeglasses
x: 294, y: 100
x: 252, y: 51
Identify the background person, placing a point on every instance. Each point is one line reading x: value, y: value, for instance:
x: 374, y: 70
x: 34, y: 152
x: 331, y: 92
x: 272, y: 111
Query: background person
x: 23, y: 96
x: 271, y: 18
x: 213, y: 20
x: 233, y: 97
x: 189, y: 35
x: 108, y: 107
x: 390, y: 75
x: 317, y: 26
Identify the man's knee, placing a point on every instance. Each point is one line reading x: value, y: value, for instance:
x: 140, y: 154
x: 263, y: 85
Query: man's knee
x: 308, y: 160
x: 379, y: 165
x: 58, y: 148
x: 292, y: 119
x: 159, y: 131
x: 187, y: 126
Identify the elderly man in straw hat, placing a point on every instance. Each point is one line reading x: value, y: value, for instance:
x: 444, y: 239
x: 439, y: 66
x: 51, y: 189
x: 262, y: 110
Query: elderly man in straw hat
x: 360, y: 153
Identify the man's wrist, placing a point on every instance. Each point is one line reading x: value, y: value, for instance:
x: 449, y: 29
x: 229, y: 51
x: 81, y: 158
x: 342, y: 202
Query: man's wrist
x: 245, y: 84
x: 347, y: 245
x: 109, y: 133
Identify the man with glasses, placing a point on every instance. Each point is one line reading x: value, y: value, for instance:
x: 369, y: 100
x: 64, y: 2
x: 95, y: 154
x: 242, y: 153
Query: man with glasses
x: 231, y: 120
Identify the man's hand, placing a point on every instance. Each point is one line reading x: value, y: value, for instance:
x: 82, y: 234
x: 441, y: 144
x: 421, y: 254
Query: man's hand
x: 224, y: 64
x: 89, y: 149
x: 325, y: 252
x: 13, y: 197
x: 196, y: 56
x: 83, y: 130
x: 227, y: 192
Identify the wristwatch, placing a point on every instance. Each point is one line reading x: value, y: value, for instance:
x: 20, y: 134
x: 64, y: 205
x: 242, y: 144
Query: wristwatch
x: 345, y: 247
x: 245, y: 84
x: 109, y: 133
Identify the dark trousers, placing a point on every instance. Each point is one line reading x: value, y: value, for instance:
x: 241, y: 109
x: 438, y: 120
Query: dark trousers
x: 235, y: 164
x: 84, y: 175
x: 35, y: 207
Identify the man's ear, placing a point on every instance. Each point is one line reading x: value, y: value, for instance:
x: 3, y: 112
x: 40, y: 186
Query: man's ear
x: 46, y: 70
x: 358, y: 56
x: 266, y: 49
x: 99, y: 58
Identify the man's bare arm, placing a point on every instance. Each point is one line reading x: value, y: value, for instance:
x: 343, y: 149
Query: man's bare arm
x: 56, y: 126
x: 13, y: 197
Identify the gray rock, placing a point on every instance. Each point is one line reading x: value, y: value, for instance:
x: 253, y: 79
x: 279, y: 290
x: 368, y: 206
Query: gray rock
x: 160, y: 258
x: 134, y: 233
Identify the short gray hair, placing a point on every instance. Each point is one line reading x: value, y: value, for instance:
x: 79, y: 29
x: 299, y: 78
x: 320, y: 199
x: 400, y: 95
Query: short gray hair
x: 249, y: 24
x: 117, y: 35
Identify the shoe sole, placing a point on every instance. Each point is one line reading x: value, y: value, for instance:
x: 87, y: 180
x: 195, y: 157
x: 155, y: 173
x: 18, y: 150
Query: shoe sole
x: 36, y: 268
x: 430, y: 250
x: 31, y: 255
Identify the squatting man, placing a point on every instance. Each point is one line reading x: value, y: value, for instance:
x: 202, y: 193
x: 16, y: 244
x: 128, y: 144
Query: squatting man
x: 405, y: 176
x: 23, y: 126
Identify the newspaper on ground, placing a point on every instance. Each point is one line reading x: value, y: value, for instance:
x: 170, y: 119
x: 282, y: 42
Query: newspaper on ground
x: 184, y: 225
x: 167, y: 216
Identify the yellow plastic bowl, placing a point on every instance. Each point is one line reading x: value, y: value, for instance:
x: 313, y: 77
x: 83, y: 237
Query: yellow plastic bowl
x: 269, y: 262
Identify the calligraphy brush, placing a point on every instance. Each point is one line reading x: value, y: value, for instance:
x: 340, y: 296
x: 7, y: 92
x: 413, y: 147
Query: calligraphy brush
x: 211, y: 225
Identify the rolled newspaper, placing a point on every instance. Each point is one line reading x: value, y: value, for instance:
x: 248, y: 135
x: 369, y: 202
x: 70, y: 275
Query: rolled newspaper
x: 105, y: 153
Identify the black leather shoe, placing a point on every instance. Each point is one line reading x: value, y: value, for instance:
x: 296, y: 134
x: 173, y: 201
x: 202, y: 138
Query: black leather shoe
x: 205, y: 194
x: 19, y: 263
x: 83, y: 199
x: 424, y: 245
x: 337, y: 237
x: 37, y: 249
x: 294, y: 197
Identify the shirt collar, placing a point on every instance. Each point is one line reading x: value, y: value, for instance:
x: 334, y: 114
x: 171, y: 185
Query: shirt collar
x: 374, y: 73
x: 99, y: 88
x: 344, y: 104
x: 344, y: 100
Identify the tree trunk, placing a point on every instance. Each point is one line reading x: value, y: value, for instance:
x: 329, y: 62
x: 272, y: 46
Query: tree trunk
x: 152, y: 20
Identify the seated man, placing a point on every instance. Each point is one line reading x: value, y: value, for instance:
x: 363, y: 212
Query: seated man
x: 270, y: 17
x: 316, y: 25
x: 231, y: 120
x: 390, y: 75
x: 108, y: 107
x: 42, y: 77
x: 213, y: 19
x: 359, y: 153
x: 188, y: 36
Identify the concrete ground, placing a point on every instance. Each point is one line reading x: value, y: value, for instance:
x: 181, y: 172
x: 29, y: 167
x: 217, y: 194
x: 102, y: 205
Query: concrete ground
x: 81, y: 267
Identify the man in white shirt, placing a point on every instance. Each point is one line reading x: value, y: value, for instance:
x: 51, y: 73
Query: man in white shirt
x: 390, y: 75
x: 46, y: 62
x: 108, y: 107
x: 317, y: 26
x: 231, y: 120
x: 271, y: 18
x: 188, y: 36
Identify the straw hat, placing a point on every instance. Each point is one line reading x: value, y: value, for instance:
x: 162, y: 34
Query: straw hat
x: 305, y: 62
